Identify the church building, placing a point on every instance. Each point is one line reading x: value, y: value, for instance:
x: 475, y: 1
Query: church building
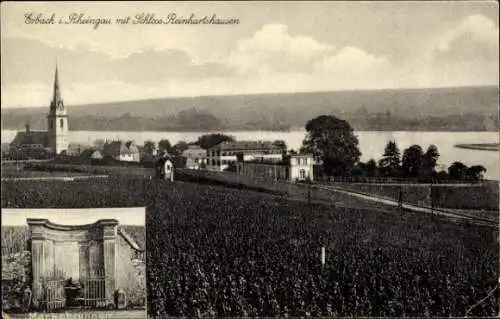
x: 44, y: 143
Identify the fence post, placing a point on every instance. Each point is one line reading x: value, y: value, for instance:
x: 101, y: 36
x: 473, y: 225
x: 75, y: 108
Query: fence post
x: 400, y: 200
x: 309, y: 195
x: 432, y: 198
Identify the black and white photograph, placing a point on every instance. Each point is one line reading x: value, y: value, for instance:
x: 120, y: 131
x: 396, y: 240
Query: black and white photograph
x: 295, y: 159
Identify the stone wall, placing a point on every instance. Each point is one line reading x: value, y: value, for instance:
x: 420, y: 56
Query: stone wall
x: 131, y: 274
x: 16, y: 269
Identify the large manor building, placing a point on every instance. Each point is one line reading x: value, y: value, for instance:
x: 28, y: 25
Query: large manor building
x: 51, y: 142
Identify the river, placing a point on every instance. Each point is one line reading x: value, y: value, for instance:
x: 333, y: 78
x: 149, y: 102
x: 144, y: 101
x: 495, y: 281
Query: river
x: 371, y: 143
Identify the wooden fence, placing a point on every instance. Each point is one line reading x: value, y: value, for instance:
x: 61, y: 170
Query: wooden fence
x: 393, y: 180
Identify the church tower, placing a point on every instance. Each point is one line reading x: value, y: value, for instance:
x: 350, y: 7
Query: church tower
x: 57, y: 121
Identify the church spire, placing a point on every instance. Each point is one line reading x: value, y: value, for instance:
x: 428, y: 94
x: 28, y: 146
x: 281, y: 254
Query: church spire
x: 57, y: 102
x: 57, y: 93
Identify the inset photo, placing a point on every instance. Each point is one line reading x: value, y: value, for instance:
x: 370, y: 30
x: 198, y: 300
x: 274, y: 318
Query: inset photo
x: 89, y: 263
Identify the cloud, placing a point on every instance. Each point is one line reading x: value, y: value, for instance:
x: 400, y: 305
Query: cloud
x: 273, y: 49
x: 30, y: 61
x: 277, y: 59
x: 351, y: 60
x: 474, y: 39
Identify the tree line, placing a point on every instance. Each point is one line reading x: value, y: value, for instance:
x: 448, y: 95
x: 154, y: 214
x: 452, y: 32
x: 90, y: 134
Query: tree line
x: 416, y: 164
x: 335, y: 146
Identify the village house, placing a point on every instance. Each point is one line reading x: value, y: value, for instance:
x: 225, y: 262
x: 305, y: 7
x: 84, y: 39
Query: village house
x: 90, y: 154
x: 195, y: 157
x: 224, y: 154
x: 30, y: 144
x: 5, y: 149
x: 122, y: 151
x: 76, y: 149
x: 292, y: 167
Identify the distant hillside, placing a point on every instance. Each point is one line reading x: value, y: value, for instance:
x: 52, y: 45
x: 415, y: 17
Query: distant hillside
x: 455, y: 109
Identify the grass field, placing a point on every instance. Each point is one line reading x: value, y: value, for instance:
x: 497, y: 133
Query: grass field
x: 12, y: 172
x: 234, y: 252
x: 118, y: 191
x: 238, y: 252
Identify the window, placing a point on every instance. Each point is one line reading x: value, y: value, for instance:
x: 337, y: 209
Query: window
x: 61, y: 123
x: 305, y: 161
x: 302, y: 174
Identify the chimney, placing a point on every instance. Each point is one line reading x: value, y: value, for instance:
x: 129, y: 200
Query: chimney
x: 27, y: 126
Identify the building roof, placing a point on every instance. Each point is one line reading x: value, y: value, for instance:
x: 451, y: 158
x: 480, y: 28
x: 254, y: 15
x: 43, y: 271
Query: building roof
x: 129, y: 239
x: 245, y: 145
x: 116, y: 148
x: 30, y: 138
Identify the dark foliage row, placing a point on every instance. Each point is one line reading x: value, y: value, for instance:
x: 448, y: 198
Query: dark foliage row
x: 115, y: 191
x: 15, y: 238
x: 219, y: 251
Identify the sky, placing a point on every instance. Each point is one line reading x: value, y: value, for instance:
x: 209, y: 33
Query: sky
x: 274, y: 47
x: 74, y: 216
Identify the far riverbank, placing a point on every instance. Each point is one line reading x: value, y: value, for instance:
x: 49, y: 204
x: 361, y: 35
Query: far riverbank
x: 480, y: 147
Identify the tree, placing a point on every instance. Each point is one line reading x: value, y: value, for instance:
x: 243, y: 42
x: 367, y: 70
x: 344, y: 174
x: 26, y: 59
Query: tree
x: 281, y: 144
x: 441, y: 176
x: 210, y: 140
x: 371, y: 168
x: 332, y: 141
x: 149, y: 148
x: 164, y: 145
x: 412, y: 161
x: 390, y: 164
x: 475, y: 172
x: 178, y: 148
x: 429, y: 161
x: 457, y: 170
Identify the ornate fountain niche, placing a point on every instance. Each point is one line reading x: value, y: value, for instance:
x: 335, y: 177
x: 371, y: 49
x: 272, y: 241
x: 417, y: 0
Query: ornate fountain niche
x: 83, y: 254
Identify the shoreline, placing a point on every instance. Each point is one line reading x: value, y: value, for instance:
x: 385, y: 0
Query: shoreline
x: 495, y: 147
